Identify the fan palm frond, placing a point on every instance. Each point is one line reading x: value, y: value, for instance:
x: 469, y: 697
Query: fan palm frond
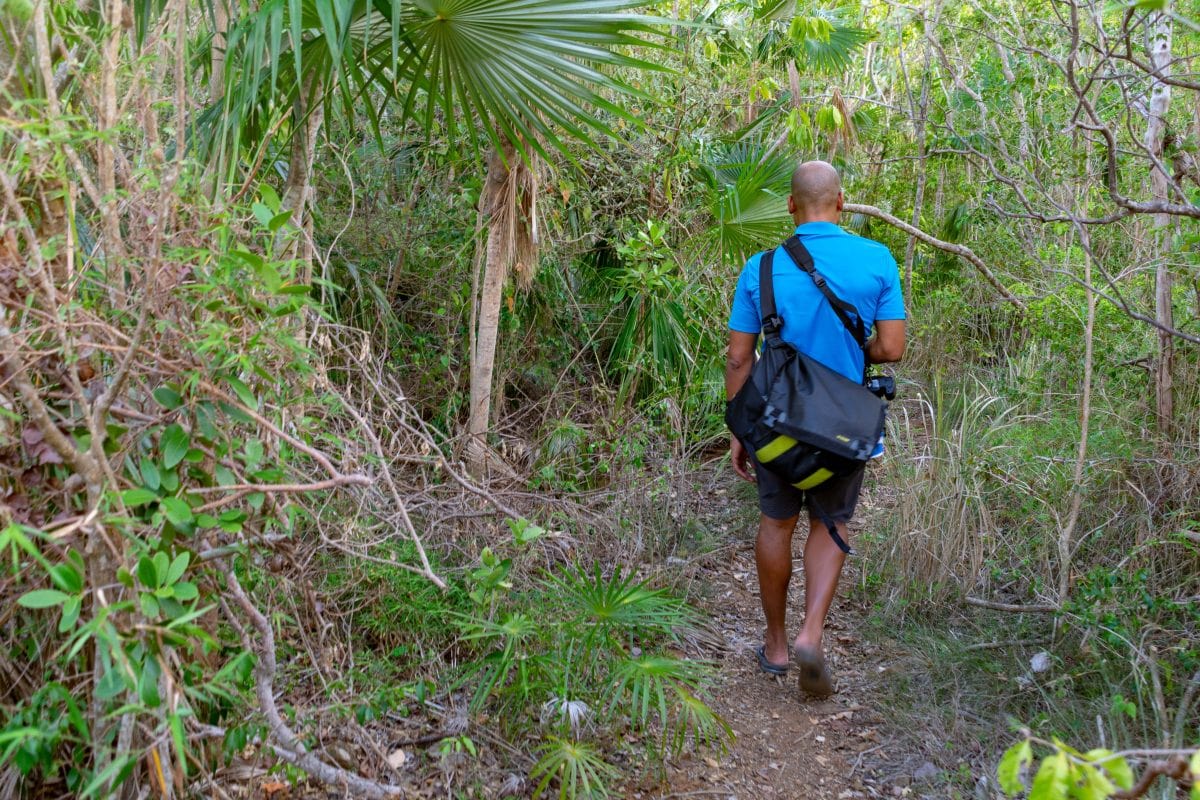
x: 529, y: 70
x: 489, y: 70
x: 821, y: 41
x: 751, y: 186
x: 832, y: 48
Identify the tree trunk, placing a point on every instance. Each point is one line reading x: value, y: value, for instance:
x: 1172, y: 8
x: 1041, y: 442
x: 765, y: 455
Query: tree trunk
x: 216, y: 78
x: 1158, y: 44
x: 308, y: 116
x: 491, y: 293
x: 921, y: 115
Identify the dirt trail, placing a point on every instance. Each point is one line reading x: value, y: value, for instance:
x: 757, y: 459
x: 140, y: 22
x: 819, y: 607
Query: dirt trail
x: 788, y: 745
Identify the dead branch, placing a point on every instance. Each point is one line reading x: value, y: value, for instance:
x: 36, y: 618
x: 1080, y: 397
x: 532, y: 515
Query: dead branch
x: 1032, y: 608
x: 1175, y: 768
x: 369, y: 431
x: 290, y: 747
x: 311, y: 452
x: 13, y: 369
x: 950, y: 247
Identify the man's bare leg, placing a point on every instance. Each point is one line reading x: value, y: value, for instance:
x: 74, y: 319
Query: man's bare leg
x: 773, y: 556
x: 823, y: 561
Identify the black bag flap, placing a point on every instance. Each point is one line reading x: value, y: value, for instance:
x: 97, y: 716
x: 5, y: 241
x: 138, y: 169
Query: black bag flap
x: 819, y: 406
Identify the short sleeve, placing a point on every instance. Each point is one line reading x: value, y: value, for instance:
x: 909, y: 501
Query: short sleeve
x: 891, y: 299
x: 744, y: 316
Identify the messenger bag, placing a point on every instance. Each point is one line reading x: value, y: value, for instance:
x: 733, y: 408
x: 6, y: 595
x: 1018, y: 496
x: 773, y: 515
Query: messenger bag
x: 802, y: 420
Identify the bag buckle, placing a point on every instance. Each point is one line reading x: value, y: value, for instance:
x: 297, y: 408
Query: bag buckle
x: 772, y: 325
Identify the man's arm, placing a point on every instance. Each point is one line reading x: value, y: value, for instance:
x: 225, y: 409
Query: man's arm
x: 886, y: 346
x: 739, y: 362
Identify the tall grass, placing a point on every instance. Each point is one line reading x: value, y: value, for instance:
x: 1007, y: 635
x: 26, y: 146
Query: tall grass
x: 947, y: 451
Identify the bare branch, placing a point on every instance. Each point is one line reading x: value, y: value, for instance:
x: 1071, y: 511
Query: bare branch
x: 950, y: 247
x: 1032, y: 609
x: 13, y: 369
x: 293, y: 749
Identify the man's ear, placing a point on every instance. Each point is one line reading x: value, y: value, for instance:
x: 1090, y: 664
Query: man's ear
x: 841, y: 201
x: 792, y: 205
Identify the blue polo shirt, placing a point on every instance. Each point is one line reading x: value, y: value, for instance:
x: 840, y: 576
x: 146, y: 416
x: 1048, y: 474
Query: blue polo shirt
x: 860, y: 271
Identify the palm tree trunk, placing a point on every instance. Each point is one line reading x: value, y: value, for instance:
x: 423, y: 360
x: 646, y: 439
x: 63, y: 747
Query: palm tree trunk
x: 308, y: 111
x: 216, y: 78
x: 491, y: 294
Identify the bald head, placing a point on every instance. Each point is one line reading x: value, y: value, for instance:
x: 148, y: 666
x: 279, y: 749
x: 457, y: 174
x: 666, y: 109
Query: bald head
x: 816, y: 189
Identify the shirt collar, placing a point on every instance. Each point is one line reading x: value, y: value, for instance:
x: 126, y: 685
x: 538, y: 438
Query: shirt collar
x: 819, y: 227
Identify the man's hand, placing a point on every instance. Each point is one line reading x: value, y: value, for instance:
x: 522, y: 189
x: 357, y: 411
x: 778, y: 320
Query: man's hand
x: 741, y: 459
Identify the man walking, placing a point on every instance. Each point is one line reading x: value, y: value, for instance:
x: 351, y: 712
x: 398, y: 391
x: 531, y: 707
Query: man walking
x: 863, y: 273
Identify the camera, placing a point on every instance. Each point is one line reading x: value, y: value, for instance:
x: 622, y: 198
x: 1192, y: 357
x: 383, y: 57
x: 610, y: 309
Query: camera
x: 882, y: 386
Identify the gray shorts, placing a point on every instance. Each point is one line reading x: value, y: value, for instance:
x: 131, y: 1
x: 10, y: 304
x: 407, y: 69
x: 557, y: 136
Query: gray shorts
x: 836, y: 498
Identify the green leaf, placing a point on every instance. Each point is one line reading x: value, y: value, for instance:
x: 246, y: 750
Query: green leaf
x: 243, y: 393
x: 65, y: 577
x: 147, y: 575
x: 168, y: 398
x: 1194, y: 767
x: 42, y: 598
x: 70, y: 614
x: 137, y: 497
x: 1089, y: 783
x: 262, y: 214
x: 148, y: 682
x: 170, y: 606
x: 224, y: 476
x: 175, y: 721
x: 178, y: 512
x: 279, y: 220
x: 774, y: 9
x: 269, y: 197
x: 1015, y: 759
x: 151, y: 478
x: 254, y: 453
x: 1117, y: 767
x: 1050, y: 783
x: 174, y: 445
x: 149, y: 604
x: 186, y: 590
x: 178, y: 567
x: 162, y: 563
x: 112, y: 775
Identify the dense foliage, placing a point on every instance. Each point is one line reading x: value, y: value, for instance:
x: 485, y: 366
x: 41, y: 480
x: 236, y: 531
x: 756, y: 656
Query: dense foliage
x: 269, y: 271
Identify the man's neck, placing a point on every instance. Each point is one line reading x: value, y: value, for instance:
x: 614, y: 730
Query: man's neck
x: 833, y: 217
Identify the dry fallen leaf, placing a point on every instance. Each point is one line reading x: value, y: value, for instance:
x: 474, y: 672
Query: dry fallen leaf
x: 397, y: 758
x: 275, y: 790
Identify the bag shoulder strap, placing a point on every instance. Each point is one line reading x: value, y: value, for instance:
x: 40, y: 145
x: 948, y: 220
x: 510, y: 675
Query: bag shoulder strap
x: 846, y: 312
x: 772, y: 323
